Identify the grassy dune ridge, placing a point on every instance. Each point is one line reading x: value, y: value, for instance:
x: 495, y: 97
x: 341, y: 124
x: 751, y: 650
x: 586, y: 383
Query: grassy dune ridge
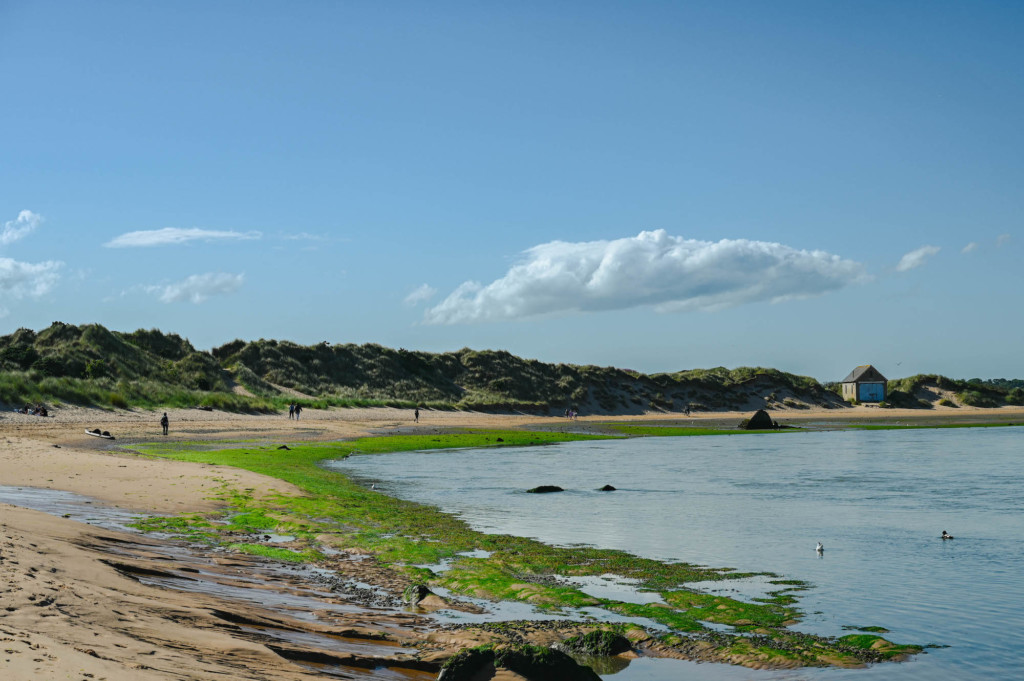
x: 92, y: 365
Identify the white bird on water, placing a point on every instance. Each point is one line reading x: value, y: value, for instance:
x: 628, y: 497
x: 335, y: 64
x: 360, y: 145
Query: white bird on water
x: 819, y: 548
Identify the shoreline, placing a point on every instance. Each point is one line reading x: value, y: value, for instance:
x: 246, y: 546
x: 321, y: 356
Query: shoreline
x: 56, y: 453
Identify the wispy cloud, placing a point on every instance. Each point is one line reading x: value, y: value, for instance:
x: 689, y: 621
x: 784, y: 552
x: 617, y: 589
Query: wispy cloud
x: 175, y: 235
x: 198, y: 287
x: 303, y: 236
x: 420, y: 294
x: 24, y: 279
x: 970, y: 248
x: 19, y: 227
x: 916, y: 258
x: 652, y: 268
x: 1003, y: 239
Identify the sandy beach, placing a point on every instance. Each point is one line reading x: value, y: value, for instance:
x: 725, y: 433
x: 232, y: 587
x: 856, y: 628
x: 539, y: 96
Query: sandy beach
x: 74, y: 605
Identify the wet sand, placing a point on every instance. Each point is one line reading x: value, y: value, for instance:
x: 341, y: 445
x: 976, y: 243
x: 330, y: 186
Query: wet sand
x: 80, y: 602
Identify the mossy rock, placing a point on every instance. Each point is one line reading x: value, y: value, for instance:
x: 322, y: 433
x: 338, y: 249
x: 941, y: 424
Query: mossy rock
x: 414, y: 593
x: 596, y: 643
x: 534, y: 663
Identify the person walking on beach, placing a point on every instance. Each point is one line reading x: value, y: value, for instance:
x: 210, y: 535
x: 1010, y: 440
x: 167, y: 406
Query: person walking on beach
x: 164, y: 422
x: 291, y: 411
x: 298, y: 410
x: 416, y: 415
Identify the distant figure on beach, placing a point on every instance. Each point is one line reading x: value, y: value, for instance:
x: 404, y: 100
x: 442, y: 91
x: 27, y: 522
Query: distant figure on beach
x: 164, y: 422
x: 416, y: 415
x: 687, y: 410
x: 946, y: 535
x: 291, y: 411
x: 298, y: 411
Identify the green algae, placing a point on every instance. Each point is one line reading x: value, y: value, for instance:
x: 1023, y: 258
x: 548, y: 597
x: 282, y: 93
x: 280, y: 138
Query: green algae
x: 407, y: 536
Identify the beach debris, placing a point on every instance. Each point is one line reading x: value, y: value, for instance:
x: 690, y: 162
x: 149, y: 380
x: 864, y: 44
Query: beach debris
x: 545, y: 489
x: 96, y: 432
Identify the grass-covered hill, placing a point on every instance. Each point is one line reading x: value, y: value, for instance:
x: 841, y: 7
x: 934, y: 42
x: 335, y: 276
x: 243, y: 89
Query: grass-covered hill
x: 92, y: 365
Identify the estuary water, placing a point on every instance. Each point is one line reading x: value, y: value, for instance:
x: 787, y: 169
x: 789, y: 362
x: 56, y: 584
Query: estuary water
x: 877, y: 500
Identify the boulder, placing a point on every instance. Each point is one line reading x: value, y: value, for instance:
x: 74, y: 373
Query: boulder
x: 607, y: 488
x: 534, y: 663
x: 545, y: 489
x: 759, y: 421
x: 415, y: 593
x: 595, y: 643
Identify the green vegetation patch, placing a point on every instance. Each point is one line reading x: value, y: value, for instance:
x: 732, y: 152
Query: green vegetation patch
x: 885, y: 649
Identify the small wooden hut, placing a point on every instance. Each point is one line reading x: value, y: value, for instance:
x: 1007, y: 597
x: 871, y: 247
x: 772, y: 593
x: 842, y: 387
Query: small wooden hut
x: 865, y: 384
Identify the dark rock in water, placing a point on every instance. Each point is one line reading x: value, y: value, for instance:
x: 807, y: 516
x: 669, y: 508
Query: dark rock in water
x: 595, y: 643
x: 544, y: 489
x: 415, y: 593
x: 535, y: 663
x: 759, y: 421
x: 607, y: 488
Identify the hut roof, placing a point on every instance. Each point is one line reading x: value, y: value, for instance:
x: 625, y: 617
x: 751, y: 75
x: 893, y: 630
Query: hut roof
x: 865, y: 373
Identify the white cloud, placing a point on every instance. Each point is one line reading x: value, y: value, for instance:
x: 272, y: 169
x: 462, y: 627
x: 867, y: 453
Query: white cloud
x: 970, y: 248
x: 652, y: 268
x: 302, y: 236
x: 174, y: 235
x: 421, y: 294
x: 23, y: 279
x: 198, y: 287
x: 1002, y: 239
x: 916, y: 258
x: 20, y: 227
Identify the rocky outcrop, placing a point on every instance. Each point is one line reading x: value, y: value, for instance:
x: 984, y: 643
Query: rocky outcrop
x: 759, y: 421
x: 545, y: 489
x: 534, y: 663
x: 595, y: 643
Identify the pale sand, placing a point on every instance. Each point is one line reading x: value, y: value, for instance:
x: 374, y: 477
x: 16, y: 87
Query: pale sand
x: 64, y: 614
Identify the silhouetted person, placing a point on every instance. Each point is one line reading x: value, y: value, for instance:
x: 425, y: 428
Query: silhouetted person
x: 164, y: 422
x: 416, y: 415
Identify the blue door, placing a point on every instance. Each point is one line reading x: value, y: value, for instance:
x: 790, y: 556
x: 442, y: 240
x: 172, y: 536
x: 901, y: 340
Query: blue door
x: 871, y: 392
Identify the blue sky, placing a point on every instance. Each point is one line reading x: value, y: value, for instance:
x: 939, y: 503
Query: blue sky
x: 650, y: 185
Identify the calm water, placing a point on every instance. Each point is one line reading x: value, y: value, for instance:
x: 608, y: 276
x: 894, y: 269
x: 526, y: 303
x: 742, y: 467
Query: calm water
x: 877, y: 500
